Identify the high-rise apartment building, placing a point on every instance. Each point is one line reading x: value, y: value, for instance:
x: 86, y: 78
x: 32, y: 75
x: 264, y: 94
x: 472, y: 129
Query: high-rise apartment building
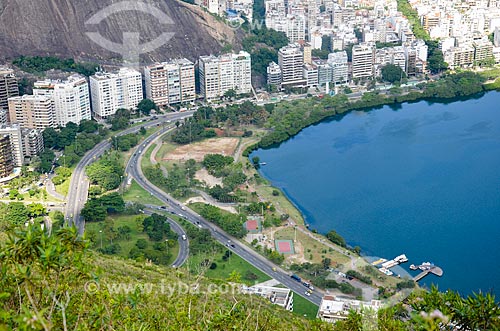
x: 6, y: 162
x: 363, y: 57
x: 170, y: 82
x: 4, y: 115
x: 291, y: 61
x: 32, y: 111
x: 70, y: 97
x: 32, y: 142
x: 14, y: 132
x: 8, y: 86
x: 340, y: 68
x: 273, y: 74
x: 223, y: 73
x: 112, y: 91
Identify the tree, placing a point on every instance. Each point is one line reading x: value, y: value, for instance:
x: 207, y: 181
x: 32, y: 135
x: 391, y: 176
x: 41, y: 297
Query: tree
x: 17, y: 213
x: 230, y: 94
x: 146, y: 106
x: 234, y: 277
x: 335, y: 238
x: 93, y: 211
x: 392, y: 73
x: 326, y: 262
x: 36, y: 210
x: 435, y: 61
x: 88, y: 126
x: 50, y: 137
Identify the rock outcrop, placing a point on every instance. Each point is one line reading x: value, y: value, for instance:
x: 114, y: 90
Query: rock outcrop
x: 58, y: 27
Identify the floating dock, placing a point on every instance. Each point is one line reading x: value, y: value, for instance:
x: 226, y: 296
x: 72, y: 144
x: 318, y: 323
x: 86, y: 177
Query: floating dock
x: 427, y: 268
x: 379, y: 261
x: 386, y: 271
x: 395, y: 261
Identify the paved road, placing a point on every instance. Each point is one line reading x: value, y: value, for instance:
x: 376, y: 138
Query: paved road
x: 78, y: 189
x: 134, y: 171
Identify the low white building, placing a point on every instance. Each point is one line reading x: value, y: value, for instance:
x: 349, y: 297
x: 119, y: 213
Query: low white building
x: 334, y: 308
x: 282, y: 297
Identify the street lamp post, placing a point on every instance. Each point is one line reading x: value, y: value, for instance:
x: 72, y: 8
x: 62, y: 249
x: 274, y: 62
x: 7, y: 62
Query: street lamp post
x: 100, y: 232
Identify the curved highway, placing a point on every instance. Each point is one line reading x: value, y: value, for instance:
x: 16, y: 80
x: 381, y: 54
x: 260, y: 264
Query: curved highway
x: 79, y: 184
x: 133, y: 170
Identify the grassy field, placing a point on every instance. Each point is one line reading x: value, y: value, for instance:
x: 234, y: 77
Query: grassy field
x: 224, y: 268
x: 64, y: 187
x: 312, y: 247
x: 136, y: 193
x: 303, y: 307
x: 145, y: 162
x: 125, y: 244
x: 165, y: 148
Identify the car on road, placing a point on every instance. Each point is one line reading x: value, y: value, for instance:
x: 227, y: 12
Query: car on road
x: 307, y: 293
x: 184, y: 237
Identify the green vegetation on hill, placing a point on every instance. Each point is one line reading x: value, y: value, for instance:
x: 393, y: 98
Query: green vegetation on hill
x: 52, y: 282
x: 412, y: 16
x: 40, y: 64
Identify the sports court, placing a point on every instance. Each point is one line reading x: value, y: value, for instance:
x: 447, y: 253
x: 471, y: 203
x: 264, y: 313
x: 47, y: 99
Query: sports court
x: 284, y: 246
x: 253, y: 226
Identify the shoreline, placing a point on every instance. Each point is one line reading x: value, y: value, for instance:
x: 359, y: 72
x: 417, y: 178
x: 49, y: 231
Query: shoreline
x: 329, y: 118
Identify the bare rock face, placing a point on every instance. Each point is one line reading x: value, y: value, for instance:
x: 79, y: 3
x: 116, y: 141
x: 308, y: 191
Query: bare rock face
x: 60, y: 27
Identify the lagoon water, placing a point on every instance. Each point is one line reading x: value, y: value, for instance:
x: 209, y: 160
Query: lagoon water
x: 422, y: 179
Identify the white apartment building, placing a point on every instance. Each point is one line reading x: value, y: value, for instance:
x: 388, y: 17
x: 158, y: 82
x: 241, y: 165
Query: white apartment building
x: 340, y: 68
x: 219, y: 74
x: 363, y: 57
x: 32, y: 143
x: 70, y: 98
x: 294, y: 26
x: 16, y: 142
x: 310, y: 73
x: 32, y: 111
x: 170, y: 82
x: 291, y: 61
x: 111, y: 91
x: 273, y: 74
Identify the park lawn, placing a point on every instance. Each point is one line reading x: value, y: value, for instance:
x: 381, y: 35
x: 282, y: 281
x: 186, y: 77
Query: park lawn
x: 224, y: 268
x: 281, y: 202
x: 64, y: 187
x: 165, y: 148
x: 126, y: 245
x: 136, y: 193
x: 303, y: 307
x: 313, y: 247
x: 145, y: 162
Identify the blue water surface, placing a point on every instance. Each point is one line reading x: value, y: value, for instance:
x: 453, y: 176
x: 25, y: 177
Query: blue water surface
x: 421, y: 179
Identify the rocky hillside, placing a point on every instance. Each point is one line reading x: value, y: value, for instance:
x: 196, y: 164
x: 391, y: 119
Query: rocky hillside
x: 58, y: 27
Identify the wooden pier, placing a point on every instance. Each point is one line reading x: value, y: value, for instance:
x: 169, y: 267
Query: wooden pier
x: 433, y: 269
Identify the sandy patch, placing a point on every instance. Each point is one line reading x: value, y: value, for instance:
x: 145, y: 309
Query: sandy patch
x: 197, y: 151
x: 203, y: 176
x: 202, y: 200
